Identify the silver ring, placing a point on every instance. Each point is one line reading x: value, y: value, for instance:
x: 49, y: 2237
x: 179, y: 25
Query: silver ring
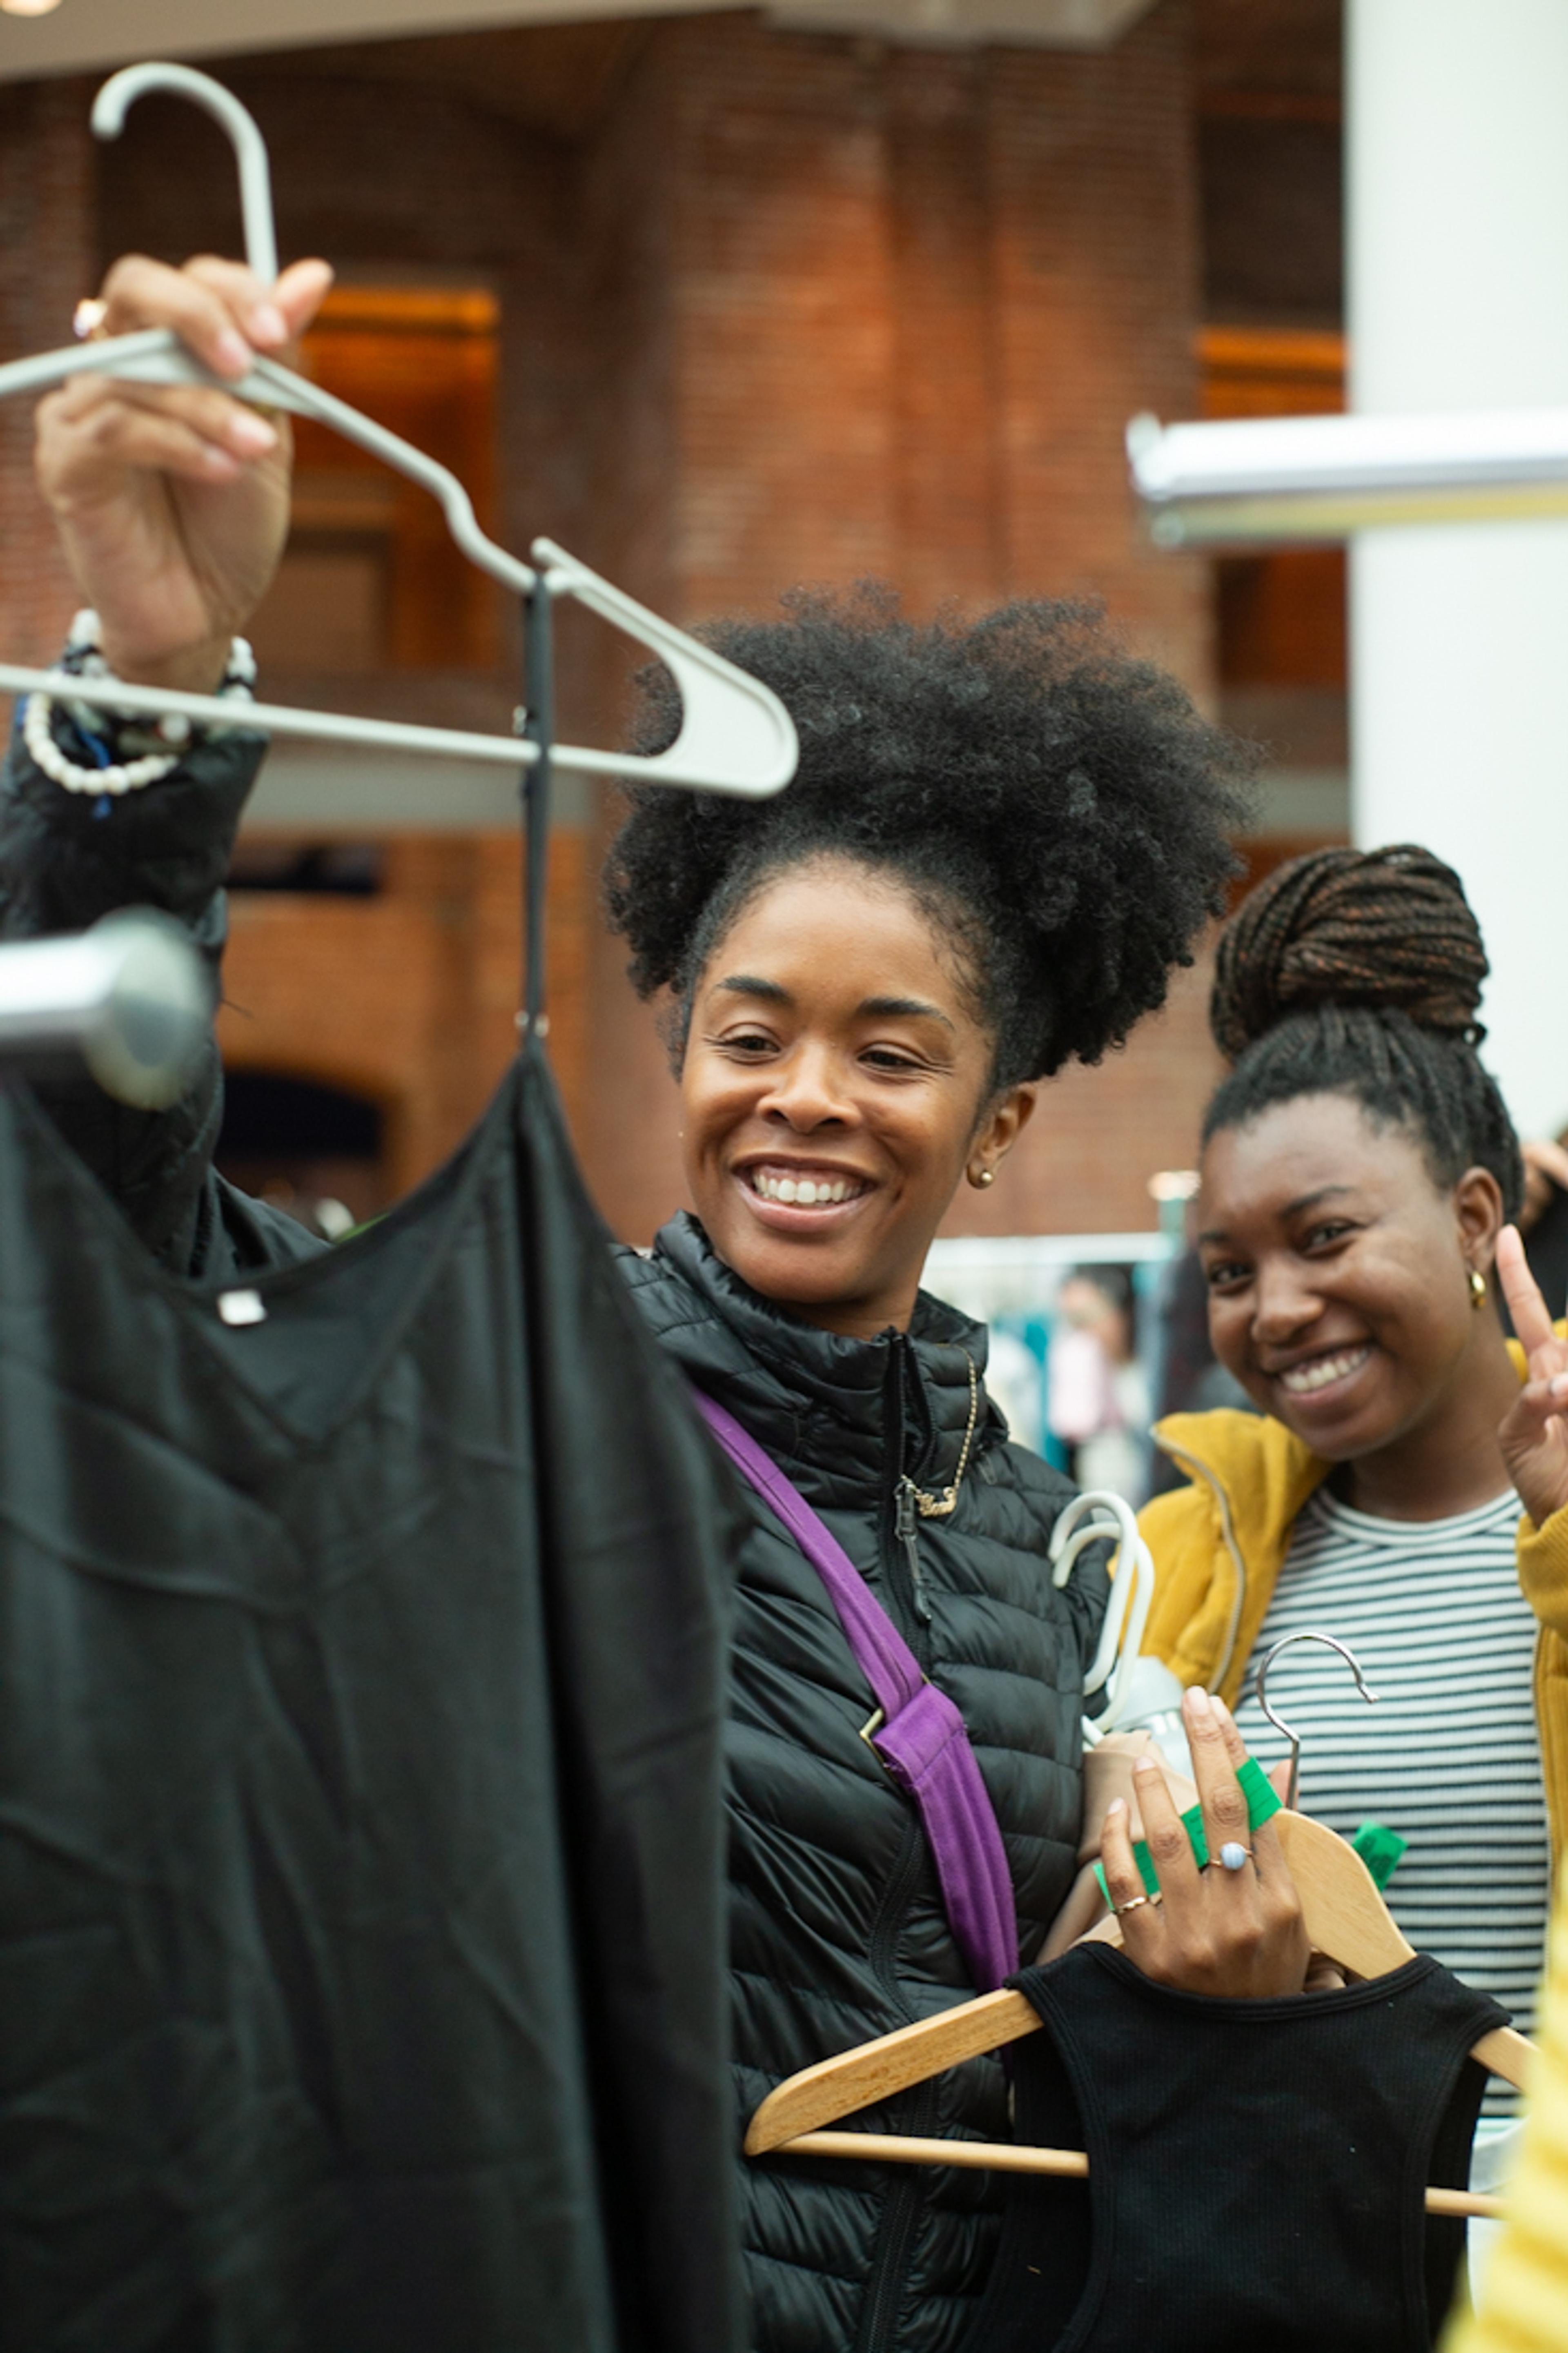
x: 88, y: 318
x: 1233, y: 1855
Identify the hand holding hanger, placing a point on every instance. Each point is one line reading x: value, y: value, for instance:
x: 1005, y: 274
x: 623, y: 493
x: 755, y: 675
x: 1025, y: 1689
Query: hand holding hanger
x: 1107, y: 1777
x: 736, y: 736
x: 1109, y: 1774
x: 173, y: 500
x: 1215, y: 1930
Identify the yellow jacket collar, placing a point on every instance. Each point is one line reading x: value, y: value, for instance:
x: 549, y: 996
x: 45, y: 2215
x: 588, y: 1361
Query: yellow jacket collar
x: 1220, y: 1550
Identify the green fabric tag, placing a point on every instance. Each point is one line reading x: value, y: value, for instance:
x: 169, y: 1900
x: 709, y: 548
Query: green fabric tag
x: 1261, y: 1803
x: 1380, y: 1850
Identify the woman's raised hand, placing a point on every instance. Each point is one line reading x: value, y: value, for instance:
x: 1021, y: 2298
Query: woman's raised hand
x: 1212, y: 1931
x: 1534, y: 1433
x: 173, y: 501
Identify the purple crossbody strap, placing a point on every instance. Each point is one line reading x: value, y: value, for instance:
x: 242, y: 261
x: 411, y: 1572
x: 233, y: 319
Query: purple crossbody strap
x: 923, y: 1740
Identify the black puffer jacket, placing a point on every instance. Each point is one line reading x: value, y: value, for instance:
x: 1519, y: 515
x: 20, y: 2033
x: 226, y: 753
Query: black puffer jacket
x: 838, y: 1931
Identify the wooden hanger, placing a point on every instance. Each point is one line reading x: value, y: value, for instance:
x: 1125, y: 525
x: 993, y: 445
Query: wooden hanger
x: 1345, y: 1919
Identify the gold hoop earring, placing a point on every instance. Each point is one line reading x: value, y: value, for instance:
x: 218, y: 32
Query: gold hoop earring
x: 1478, y: 1287
x: 983, y: 1178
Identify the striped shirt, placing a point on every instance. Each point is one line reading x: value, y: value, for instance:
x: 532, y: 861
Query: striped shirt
x: 1449, y: 1757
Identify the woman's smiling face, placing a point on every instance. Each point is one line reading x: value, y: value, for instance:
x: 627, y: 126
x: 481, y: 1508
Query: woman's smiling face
x: 835, y: 1087
x: 1339, y: 1272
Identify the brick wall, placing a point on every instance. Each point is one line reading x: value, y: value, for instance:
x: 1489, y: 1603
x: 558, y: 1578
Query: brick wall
x: 48, y: 258
x: 775, y: 307
x: 409, y: 998
x: 910, y: 298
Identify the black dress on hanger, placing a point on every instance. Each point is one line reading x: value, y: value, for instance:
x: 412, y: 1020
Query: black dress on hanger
x: 361, y: 1682
x: 1256, y: 2168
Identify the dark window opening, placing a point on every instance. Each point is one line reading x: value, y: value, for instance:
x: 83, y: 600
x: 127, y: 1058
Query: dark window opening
x: 314, y: 1152
x: 352, y: 870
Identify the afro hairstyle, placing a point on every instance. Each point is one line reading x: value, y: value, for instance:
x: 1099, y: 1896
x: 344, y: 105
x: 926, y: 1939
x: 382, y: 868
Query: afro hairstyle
x: 1060, y: 811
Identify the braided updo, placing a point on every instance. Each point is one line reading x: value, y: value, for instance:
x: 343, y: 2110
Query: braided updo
x: 1359, y: 973
x: 1061, y: 813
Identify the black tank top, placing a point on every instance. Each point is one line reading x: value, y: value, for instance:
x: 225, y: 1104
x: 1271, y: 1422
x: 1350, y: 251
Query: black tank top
x: 361, y: 1671
x: 1256, y: 2168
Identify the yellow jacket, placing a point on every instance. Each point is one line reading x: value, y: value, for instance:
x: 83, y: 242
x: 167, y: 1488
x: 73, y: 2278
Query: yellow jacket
x: 1219, y: 1542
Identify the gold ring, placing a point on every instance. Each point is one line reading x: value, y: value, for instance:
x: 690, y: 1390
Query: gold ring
x: 87, y: 320
x: 1130, y: 1905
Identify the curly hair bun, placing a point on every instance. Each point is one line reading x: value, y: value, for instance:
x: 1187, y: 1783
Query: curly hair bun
x: 1389, y: 930
x: 1060, y: 808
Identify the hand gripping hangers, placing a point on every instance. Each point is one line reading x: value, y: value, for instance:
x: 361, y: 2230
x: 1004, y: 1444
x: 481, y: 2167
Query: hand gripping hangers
x: 736, y: 735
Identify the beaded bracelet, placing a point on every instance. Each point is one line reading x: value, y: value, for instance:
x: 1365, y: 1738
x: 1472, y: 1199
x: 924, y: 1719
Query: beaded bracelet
x: 84, y: 658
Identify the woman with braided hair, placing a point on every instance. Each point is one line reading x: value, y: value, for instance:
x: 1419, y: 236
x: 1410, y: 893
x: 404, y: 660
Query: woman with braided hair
x: 1360, y: 1170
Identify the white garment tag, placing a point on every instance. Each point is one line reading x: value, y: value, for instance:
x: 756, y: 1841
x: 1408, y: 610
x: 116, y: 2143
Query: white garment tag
x: 241, y: 1307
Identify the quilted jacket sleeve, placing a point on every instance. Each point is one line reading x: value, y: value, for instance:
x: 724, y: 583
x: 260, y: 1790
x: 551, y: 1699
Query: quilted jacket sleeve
x: 66, y: 858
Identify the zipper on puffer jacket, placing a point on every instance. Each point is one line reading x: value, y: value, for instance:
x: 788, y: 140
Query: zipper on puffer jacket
x: 906, y: 1527
x: 901, y: 2212
x: 902, y: 1570
x: 888, y: 2285
x: 915, y: 2113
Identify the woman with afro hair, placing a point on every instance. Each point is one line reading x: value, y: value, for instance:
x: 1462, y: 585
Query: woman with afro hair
x: 1404, y: 1481
x: 1001, y: 838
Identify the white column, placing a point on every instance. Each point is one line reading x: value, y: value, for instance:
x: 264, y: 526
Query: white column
x: 1457, y: 163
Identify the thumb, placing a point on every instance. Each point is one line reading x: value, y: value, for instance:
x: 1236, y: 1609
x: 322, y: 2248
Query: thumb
x: 300, y: 291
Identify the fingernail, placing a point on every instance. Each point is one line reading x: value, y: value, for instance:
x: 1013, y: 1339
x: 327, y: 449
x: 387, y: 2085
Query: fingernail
x: 268, y: 323
x: 1221, y: 1710
x: 251, y: 432
x: 1117, y: 1805
x: 1559, y: 1385
x: 1199, y: 1702
x: 218, y: 461
x: 1145, y: 1765
x: 233, y: 353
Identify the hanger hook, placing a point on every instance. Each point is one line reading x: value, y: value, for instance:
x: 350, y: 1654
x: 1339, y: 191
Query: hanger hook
x: 120, y: 92
x: 1351, y: 1660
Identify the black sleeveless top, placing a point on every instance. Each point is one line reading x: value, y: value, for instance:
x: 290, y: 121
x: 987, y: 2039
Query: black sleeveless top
x: 361, y: 1679
x: 1256, y: 2168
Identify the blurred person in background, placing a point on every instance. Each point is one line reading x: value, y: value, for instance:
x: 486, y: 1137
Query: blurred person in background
x: 1191, y: 1378
x: 1097, y: 1390
x: 1002, y: 837
x: 1405, y: 1473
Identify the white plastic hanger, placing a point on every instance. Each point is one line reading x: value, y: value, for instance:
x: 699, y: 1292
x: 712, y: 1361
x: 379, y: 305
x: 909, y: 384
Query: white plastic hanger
x: 1099, y: 1516
x: 736, y: 735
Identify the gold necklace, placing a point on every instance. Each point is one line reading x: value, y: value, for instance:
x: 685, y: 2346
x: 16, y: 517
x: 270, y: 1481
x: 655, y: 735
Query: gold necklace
x: 936, y: 1508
